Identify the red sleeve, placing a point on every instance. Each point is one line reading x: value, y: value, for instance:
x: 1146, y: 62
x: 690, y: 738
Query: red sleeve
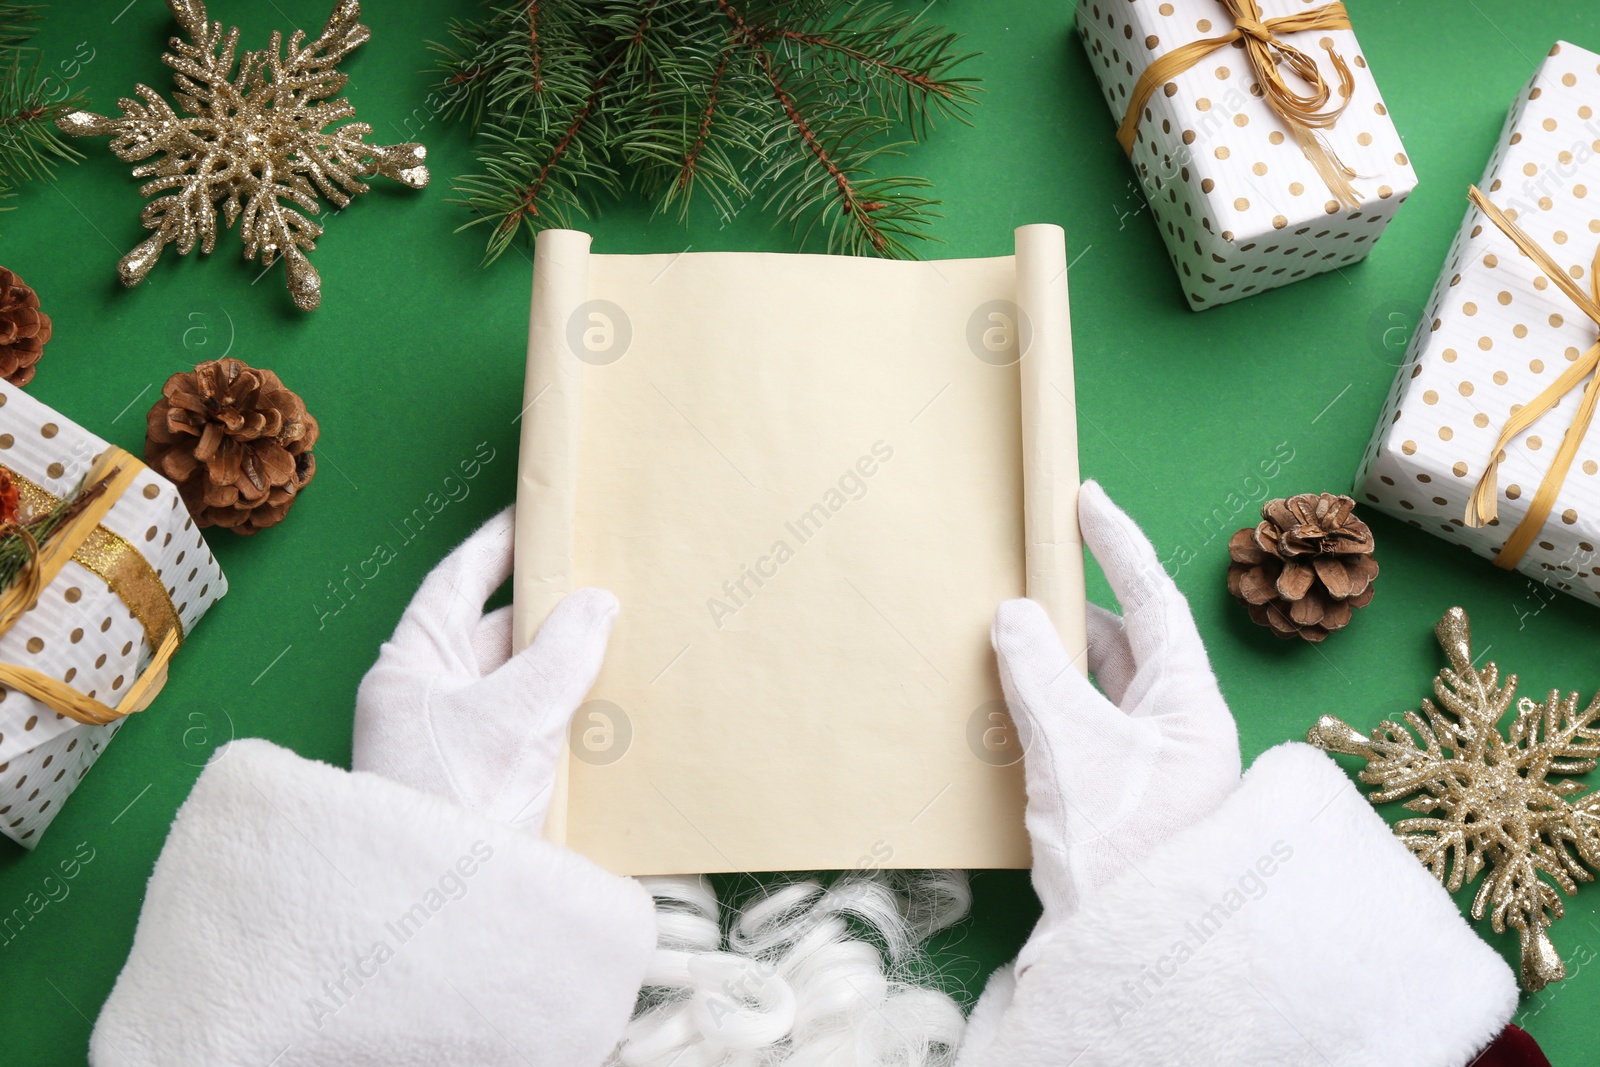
x: 1513, y: 1048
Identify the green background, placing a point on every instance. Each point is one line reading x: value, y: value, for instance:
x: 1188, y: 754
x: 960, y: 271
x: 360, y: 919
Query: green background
x: 416, y: 357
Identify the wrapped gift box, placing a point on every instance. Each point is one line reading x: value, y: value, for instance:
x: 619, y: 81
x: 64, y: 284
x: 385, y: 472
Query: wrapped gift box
x: 92, y: 633
x: 1242, y: 208
x: 1497, y: 333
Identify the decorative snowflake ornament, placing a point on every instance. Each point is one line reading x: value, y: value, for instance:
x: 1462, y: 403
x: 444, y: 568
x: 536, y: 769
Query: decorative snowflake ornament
x: 257, y: 142
x: 1490, y: 801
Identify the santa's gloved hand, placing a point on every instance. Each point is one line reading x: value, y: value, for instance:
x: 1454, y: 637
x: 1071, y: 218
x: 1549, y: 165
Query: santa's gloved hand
x: 448, y: 710
x: 1189, y: 916
x: 301, y: 914
x: 1110, y: 775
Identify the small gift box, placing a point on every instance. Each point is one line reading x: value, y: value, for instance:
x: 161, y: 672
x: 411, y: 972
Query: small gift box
x: 102, y: 572
x: 1258, y: 134
x: 1485, y: 439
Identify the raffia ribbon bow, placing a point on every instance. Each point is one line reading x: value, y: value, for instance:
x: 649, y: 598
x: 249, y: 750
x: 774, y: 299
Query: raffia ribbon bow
x: 111, y: 474
x: 1483, y: 507
x: 1305, y: 113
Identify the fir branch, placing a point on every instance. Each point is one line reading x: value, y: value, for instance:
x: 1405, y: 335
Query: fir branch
x: 576, y: 155
x: 692, y: 158
x: 906, y: 69
x: 30, y: 146
x: 15, y: 551
x: 849, y: 202
x: 789, y: 104
x: 528, y: 198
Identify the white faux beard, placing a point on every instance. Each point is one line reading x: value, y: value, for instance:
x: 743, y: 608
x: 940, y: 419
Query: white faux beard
x: 803, y: 975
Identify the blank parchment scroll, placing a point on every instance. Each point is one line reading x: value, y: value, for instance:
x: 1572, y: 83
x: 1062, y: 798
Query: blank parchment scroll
x: 809, y: 480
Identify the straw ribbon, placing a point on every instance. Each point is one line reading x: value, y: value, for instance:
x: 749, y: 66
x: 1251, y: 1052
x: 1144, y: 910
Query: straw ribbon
x: 1304, y: 113
x: 82, y: 538
x: 1483, y: 507
x: 1252, y: 28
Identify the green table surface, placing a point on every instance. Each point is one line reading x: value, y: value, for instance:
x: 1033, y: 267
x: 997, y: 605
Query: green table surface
x: 416, y: 357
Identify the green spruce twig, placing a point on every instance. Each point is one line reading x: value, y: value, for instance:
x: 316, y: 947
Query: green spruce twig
x: 795, y: 106
x: 16, y: 553
x: 30, y: 147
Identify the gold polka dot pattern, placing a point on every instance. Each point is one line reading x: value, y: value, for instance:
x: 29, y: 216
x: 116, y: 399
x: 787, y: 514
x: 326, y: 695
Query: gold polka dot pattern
x: 1240, y: 207
x: 1496, y: 333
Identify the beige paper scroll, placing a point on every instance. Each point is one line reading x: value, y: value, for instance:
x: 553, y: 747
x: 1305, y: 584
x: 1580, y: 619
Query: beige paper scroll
x: 809, y: 480
x: 1050, y: 437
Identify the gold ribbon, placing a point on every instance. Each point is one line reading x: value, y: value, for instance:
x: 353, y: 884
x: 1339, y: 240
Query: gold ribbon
x: 116, y: 562
x: 1304, y: 113
x: 127, y: 573
x: 1483, y: 507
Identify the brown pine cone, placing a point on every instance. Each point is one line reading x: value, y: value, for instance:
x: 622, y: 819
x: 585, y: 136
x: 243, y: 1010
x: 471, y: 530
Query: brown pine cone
x: 235, y: 442
x: 24, y: 329
x: 1306, y: 568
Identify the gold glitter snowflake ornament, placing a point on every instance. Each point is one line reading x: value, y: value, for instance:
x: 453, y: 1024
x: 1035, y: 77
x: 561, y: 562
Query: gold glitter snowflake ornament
x: 1502, y: 803
x: 257, y: 143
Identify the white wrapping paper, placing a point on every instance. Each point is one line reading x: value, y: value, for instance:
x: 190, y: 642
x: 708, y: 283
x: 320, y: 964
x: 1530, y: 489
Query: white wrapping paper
x: 809, y: 480
x: 1495, y: 334
x: 80, y: 631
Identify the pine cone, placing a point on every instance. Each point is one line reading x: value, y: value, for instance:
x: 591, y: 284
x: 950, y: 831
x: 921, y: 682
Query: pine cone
x: 235, y: 442
x: 1306, y: 568
x: 24, y: 329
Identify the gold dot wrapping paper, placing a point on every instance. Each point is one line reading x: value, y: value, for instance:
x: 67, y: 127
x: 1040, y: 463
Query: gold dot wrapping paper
x: 1240, y: 205
x: 82, y: 631
x: 1495, y: 334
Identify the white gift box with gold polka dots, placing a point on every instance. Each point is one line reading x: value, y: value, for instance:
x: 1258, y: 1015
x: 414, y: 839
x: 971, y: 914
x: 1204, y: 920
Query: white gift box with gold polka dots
x: 1495, y: 334
x: 81, y: 631
x: 1241, y: 208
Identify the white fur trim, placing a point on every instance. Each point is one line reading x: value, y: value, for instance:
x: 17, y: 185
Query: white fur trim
x: 1290, y: 927
x: 983, y: 1025
x: 260, y: 937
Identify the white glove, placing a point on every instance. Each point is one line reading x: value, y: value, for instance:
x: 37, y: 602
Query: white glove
x: 1111, y: 776
x: 1159, y: 941
x: 448, y: 710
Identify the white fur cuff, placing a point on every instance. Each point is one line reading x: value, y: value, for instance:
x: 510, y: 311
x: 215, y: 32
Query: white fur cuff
x: 301, y: 914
